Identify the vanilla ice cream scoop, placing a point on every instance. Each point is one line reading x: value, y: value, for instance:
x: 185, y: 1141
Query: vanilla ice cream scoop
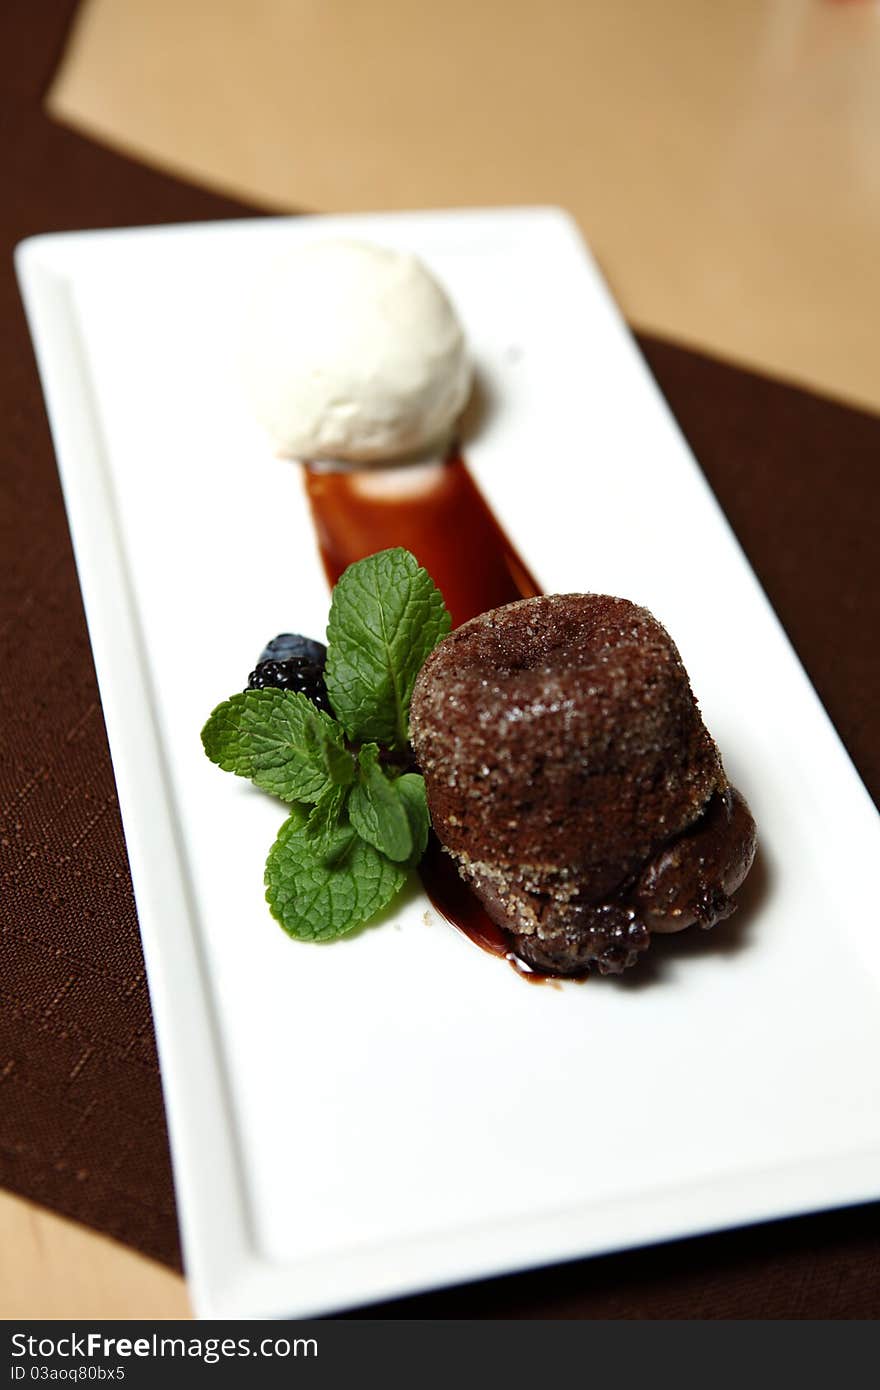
x: 354, y: 352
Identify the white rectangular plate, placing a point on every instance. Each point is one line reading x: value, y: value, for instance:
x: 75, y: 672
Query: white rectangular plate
x: 398, y: 1110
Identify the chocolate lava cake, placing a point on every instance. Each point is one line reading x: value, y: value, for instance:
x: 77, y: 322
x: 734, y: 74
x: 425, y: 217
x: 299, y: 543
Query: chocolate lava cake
x: 571, y: 777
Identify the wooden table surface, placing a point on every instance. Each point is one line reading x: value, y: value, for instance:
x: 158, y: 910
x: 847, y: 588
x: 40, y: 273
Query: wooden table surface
x: 51, y: 1267
x: 722, y: 159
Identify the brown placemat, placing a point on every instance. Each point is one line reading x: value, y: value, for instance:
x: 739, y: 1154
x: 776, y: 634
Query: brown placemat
x: 82, y: 1127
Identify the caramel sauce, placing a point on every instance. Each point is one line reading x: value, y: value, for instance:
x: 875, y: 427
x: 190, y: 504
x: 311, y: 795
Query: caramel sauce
x: 437, y: 511
x: 433, y: 509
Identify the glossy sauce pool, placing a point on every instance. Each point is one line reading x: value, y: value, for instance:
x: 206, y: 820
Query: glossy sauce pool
x: 437, y: 511
x: 433, y: 509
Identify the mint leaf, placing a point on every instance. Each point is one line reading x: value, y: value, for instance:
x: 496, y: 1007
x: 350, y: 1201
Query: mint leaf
x: 324, y: 820
x: 377, y: 811
x: 411, y: 790
x: 386, y: 616
x: 279, y: 740
x: 328, y: 751
x: 390, y: 812
x: 319, y: 897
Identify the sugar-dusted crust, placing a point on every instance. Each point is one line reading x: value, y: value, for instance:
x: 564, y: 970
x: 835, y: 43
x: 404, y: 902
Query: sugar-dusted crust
x: 564, y: 755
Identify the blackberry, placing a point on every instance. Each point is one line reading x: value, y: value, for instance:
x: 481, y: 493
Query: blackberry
x: 290, y: 644
x: 294, y: 674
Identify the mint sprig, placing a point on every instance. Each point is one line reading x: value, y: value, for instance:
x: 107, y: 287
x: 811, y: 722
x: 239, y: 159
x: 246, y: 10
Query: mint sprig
x: 359, y: 817
x: 281, y: 741
x: 320, y: 897
x: 385, y: 813
x: 411, y: 790
x: 386, y: 616
x: 323, y: 822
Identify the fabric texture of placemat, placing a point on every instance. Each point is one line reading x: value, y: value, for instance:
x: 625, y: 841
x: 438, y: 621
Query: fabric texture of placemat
x: 82, y: 1126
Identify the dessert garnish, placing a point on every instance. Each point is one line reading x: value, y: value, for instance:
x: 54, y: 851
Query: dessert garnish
x: 291, y: 662
x: 570, y: 776
x: 358, y: 820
